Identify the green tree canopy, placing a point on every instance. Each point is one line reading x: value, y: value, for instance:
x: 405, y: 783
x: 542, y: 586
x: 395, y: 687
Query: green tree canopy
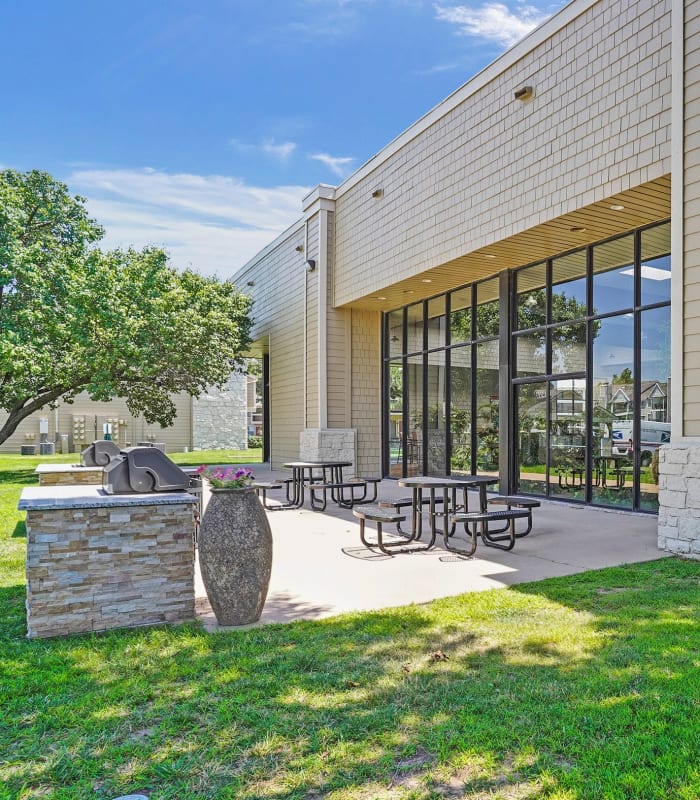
x: 114, y: 324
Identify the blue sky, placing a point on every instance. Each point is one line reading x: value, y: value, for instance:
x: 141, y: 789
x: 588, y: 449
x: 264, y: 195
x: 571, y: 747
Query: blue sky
x: 199, y: 126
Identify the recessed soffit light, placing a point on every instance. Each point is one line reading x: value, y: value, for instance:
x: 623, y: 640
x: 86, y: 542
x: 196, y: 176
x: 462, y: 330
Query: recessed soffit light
x: 426, y: 280
x: 577, y: 229
x: 617, y: 207
x: 489, y: 255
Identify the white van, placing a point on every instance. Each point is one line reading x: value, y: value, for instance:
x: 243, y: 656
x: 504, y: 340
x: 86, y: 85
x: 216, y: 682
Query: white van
x: 652, y: 435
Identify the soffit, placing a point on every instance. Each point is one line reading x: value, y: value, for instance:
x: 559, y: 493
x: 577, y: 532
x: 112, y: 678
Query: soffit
x: 644, y: 204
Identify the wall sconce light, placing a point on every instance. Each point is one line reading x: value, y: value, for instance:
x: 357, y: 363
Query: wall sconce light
x: 310, y: 265
x: 250, y: 283
x: 523, y: 93
x: 299, y: 248
x: 377, y: 193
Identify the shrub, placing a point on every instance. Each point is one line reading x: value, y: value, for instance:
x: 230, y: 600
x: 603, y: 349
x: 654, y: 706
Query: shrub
x: 254, y: 442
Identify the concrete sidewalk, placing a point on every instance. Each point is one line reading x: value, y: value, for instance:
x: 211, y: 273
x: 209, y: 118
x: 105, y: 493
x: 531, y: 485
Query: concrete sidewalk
x: 320, y: 568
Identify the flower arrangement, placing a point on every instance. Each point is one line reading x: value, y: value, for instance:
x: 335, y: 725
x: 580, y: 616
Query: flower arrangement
x: 227, y: 477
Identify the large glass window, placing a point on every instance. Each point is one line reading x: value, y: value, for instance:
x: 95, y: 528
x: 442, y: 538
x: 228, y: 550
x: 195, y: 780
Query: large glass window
x: 588, y: 366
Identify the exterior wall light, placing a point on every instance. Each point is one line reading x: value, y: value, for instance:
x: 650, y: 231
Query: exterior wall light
x: 299, y: 248
x: 310, y: 265
x: 523, y: 93
x: 250, y: 283
x: 377, y: 193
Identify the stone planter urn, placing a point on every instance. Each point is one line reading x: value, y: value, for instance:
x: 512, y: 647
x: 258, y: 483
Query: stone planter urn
x: 235, y: 555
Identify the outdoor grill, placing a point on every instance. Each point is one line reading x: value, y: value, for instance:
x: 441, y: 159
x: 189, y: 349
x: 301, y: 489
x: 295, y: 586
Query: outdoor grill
x: 143, y: 470
x: 99, y: 453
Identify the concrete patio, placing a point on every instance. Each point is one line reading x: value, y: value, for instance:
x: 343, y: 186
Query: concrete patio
x: 320, y: 568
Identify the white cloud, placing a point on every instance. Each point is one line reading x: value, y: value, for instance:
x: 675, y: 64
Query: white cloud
x: 281, y: 150
x: 213, y: 223
x: 493, y: 21
x: 337, y: 164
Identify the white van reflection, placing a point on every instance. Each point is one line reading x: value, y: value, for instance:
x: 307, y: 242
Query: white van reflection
x: 653, y: 435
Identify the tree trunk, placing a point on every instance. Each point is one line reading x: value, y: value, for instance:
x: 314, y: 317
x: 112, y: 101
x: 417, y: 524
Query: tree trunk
x: 21, y: 412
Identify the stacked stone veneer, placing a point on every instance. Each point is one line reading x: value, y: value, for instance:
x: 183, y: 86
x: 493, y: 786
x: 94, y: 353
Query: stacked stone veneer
x: 71, y: 476
x: 91, y: 569
x: 220, y: 417
x: 679, y: 499
x: 328, y: 444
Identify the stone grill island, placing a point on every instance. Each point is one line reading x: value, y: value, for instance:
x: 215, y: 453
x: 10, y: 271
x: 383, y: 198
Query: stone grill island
x: 97, y: 561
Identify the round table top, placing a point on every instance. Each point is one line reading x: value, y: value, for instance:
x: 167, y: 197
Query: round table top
x: 312, y: 464
x: 433, y: 482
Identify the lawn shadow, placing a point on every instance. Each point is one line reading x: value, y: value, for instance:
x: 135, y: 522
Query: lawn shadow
x: 566, y: 687
x: 19, y: 531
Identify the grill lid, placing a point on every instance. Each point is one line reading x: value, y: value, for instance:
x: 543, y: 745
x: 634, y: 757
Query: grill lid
x: 99, y: 453
x: 143, y: 469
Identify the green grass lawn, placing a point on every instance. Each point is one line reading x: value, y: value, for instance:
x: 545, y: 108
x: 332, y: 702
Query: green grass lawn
x: 576, y: 688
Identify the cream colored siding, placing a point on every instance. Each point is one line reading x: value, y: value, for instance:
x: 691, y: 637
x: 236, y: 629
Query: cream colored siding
x: 339, y: 410
x: 366, y: 390
x: 279, y: 276
x: 691, y: 255
x: 598, y: 124
x: 312, y: 330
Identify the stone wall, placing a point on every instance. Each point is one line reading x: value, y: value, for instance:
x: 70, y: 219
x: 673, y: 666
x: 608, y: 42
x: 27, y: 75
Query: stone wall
x: 679, y: 498
x: 91, y: 569
x: 87, y: 476
x: 328, y: 444
x: 219, y: 417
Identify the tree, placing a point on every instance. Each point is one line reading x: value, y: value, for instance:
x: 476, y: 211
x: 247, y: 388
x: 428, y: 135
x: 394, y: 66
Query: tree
x: 625, y: 377
x: 113, y: 324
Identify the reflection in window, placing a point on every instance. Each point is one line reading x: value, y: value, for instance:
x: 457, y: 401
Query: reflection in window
x: 413, y: 437
x: 435, y: 421
x: 569, y: 287
x: 654, y: 411
x: 414, y: 328
x: 656, y: 280
x: 395, y: 333
x: 613, y: 275
x: 531, y: 403
x: 461, y: 315
x: 486, y: 423
x: 613, y: 411
x: 461, y: 410
x: 436, y: 322
x: 567, y: 438
x: 487, y: 312
x: 395, y: 418
x: 569, y: 348
x: 531, y: 296
x: 531, y: 354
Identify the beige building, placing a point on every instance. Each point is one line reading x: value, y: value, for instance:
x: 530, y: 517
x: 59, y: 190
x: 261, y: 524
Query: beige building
x: 215, y: 420
x: 481, y: 294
